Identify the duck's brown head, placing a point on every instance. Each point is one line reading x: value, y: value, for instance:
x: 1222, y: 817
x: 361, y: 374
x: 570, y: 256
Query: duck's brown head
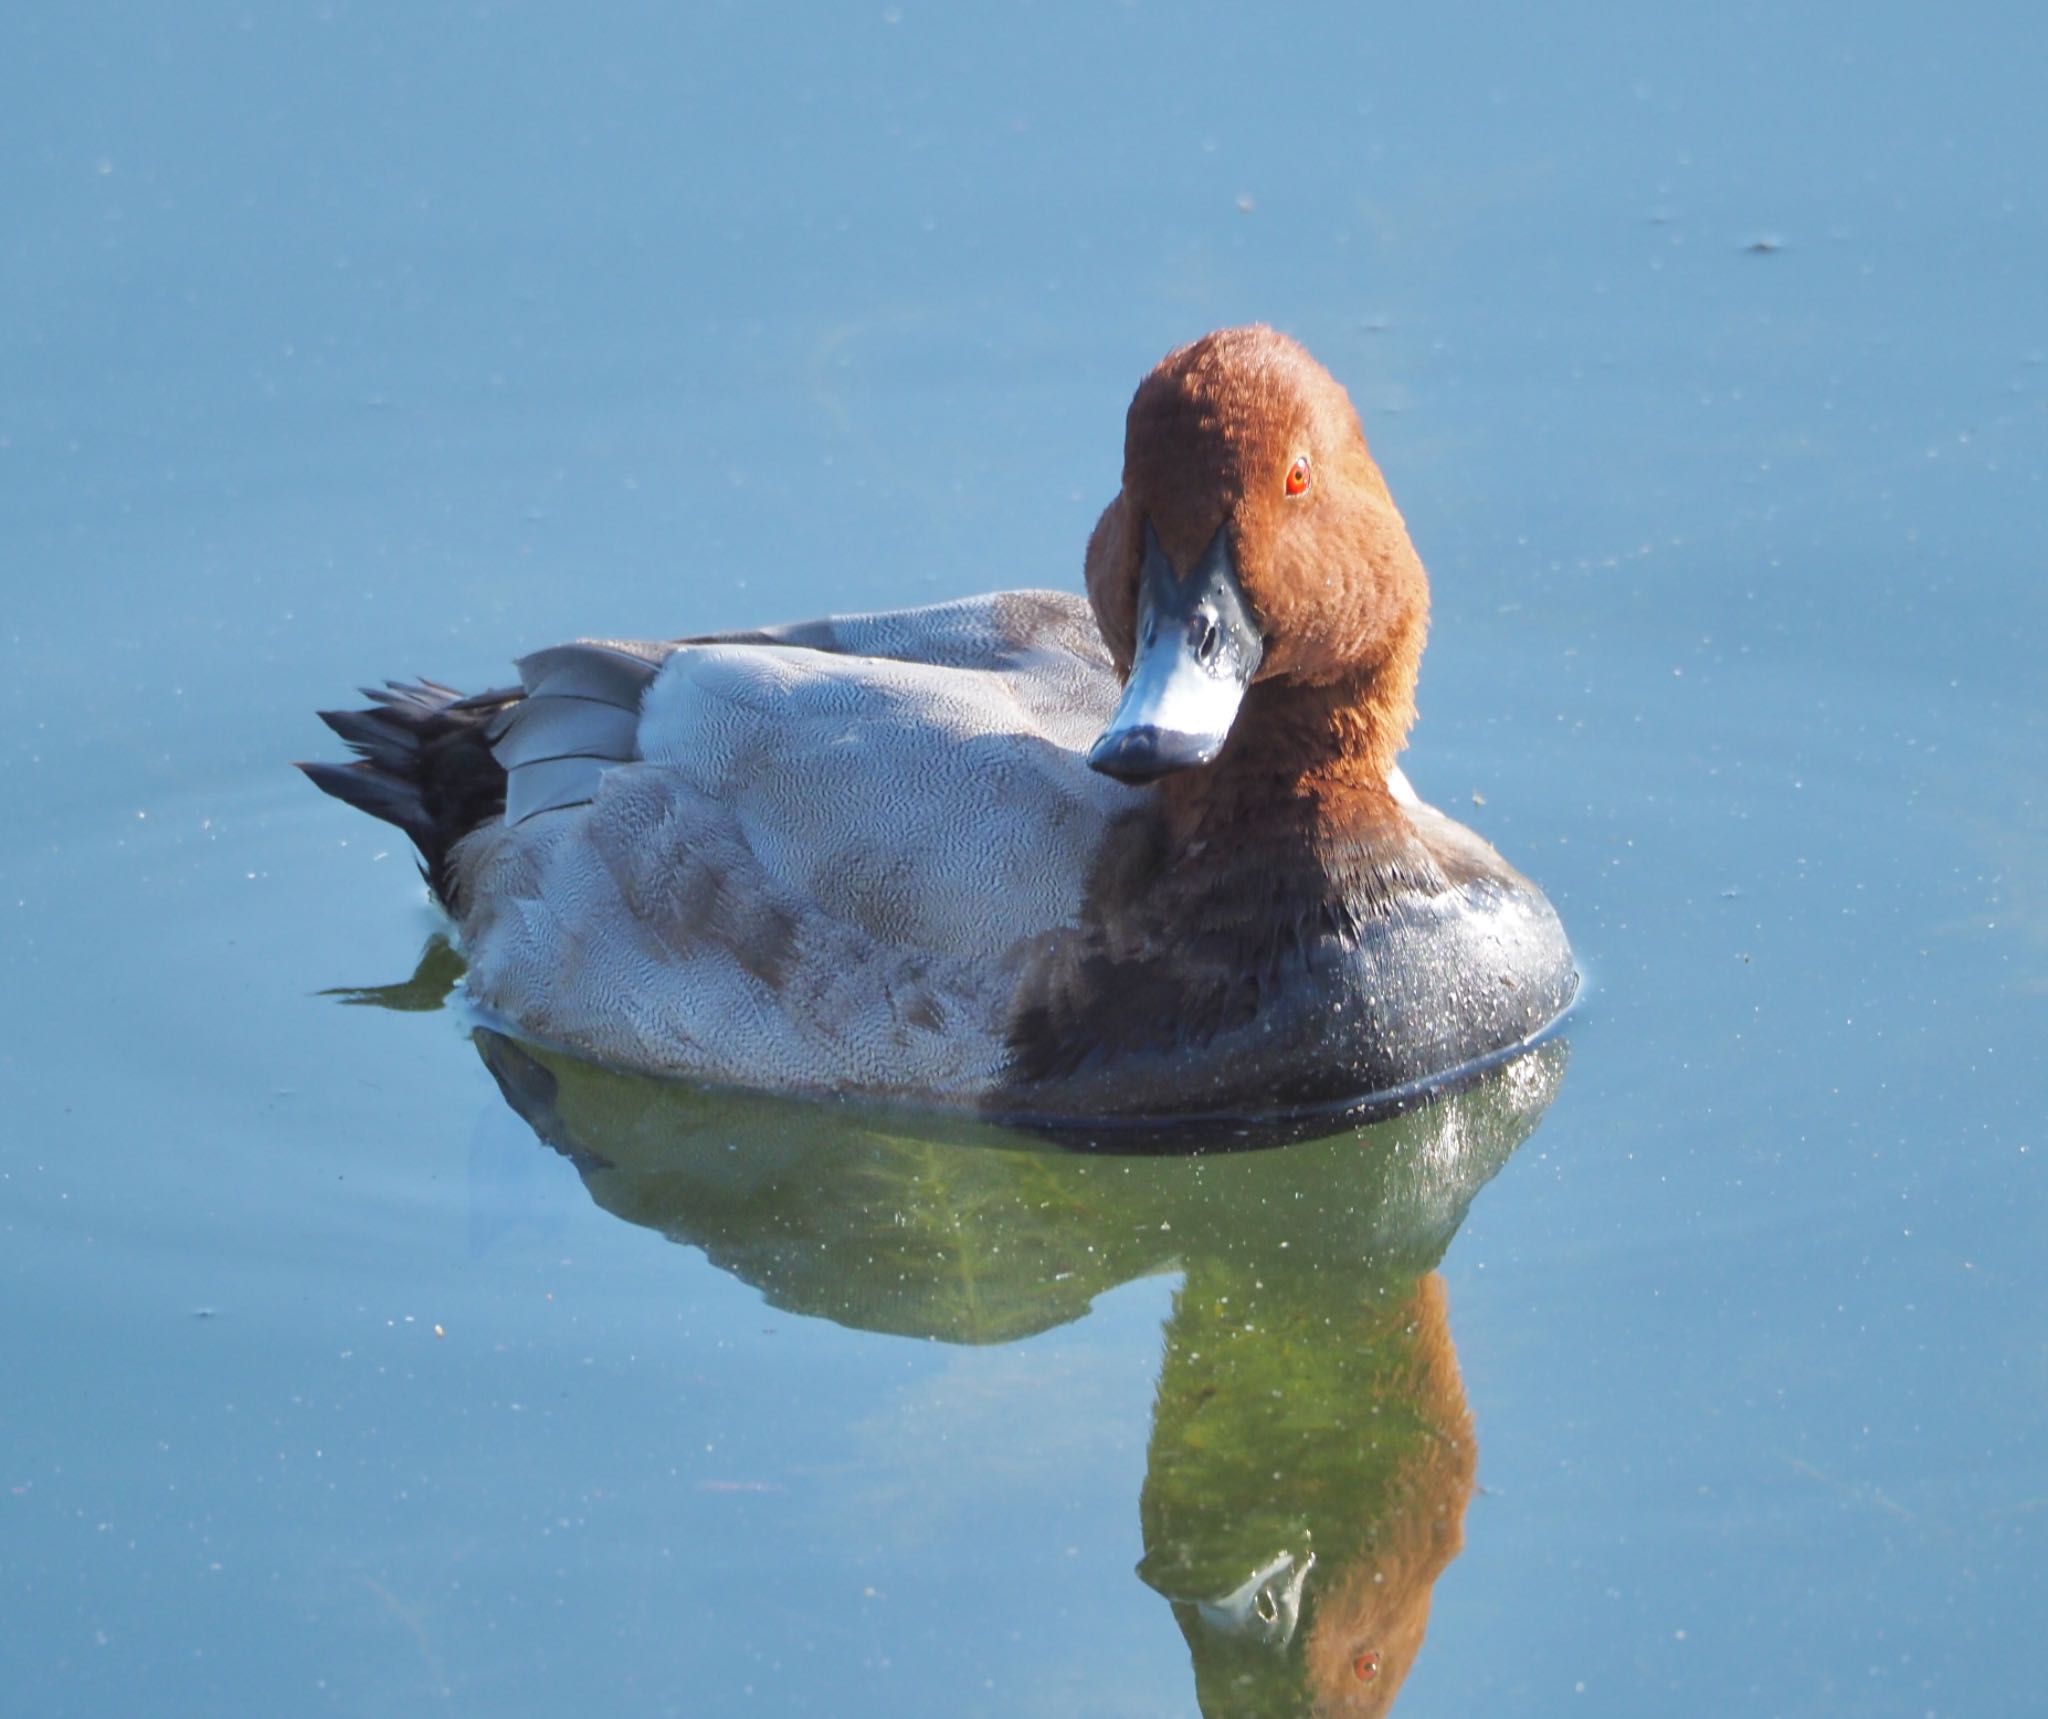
x: 1253, y: 544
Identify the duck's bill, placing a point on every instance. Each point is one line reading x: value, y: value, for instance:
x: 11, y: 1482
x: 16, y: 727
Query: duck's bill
x: 1198, y: 649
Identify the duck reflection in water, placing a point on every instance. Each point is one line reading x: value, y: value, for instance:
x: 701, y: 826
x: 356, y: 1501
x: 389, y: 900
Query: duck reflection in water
x: 1311, y: 1453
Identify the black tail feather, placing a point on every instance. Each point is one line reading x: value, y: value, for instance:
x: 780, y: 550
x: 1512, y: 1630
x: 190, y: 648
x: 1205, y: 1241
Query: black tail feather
x: 367, y: 788
x: 385, y: 740
x: 424, y: 763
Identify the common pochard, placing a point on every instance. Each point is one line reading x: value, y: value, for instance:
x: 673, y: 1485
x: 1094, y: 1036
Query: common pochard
x: 1145, y: 857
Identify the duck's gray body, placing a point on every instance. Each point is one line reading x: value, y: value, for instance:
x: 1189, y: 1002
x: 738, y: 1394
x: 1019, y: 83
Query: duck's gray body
x: 867, y: 856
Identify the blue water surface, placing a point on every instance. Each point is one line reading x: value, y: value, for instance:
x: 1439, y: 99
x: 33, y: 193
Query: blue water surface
x: 354, y: 1366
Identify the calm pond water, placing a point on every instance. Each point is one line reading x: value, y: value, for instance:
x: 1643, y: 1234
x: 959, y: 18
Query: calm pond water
x: 356, y: 1365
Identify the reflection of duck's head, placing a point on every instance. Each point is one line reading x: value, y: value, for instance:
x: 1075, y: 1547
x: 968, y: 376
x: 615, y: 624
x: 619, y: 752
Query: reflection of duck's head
x: 1253, y: 548
x: 1371, y: 1616
x: 1350, y: 1459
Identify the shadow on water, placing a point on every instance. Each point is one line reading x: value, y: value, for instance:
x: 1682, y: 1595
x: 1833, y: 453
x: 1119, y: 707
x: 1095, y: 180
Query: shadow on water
x: 1311, y: 1453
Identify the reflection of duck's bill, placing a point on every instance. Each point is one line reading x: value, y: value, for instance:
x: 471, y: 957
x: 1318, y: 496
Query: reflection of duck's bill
x: 1266, y: 1606
x: 1197, y: 650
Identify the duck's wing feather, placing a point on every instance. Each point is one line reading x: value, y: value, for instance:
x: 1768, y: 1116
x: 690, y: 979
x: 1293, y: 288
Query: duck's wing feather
x: 940, y: 807
x: 1000, y: 630
x: 582, y: 710
x: 816, y: 858
x: 580, y: 715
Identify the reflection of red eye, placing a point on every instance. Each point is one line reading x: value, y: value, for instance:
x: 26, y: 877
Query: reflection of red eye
x: 1366, y: 1666
x: 1297, y: 476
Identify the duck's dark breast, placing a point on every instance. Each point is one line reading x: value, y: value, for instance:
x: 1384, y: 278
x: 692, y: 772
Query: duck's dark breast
x: 1281, y: 977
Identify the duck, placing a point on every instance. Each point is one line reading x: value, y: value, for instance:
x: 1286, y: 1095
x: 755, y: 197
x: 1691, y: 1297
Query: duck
x: 1142, y: 855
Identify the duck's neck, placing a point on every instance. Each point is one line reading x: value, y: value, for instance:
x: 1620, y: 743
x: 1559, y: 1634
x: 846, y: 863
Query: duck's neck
x: 1303, y: 761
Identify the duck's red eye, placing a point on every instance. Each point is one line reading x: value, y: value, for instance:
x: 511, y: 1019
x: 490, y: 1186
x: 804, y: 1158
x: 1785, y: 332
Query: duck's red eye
x: 1366, y: 1666
x: 1297, y: 476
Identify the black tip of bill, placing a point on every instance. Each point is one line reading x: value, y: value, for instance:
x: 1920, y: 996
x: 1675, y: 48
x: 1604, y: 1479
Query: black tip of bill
x: 1146, y: 753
